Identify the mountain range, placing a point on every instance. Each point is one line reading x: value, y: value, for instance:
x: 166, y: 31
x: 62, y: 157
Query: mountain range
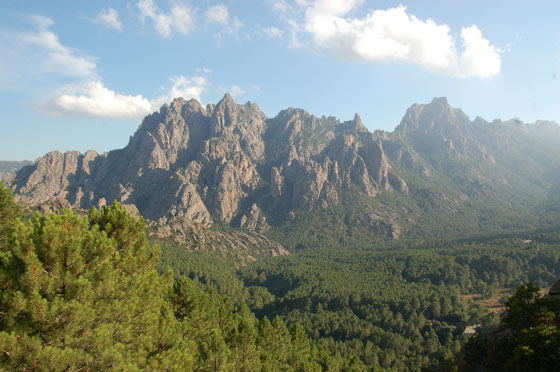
x: 192, y: 169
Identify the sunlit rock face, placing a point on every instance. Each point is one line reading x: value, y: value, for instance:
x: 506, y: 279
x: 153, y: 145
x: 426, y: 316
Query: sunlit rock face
x: 229, y: 163
x: 209, y: 163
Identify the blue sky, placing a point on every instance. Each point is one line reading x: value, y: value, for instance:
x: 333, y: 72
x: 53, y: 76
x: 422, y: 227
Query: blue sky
x: 79, y: 75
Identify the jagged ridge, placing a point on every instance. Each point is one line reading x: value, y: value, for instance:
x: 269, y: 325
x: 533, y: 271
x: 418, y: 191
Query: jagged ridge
x: 206, y: 164
x: 229, y: 163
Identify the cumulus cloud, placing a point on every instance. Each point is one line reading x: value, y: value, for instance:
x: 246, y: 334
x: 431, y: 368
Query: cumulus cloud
x: 179, y: 19
x: 96, y: 100
x: 393, y: 34
x: 110, y: 18
x: 220, y: 14
x: 39, y: 52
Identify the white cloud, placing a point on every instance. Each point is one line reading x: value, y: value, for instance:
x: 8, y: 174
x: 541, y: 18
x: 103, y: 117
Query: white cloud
x: 479, y: 57
x: 236, y: 91
x: 188, y: 88
x: 272, y: 32
x: 395, y: 35
x: 294, y: 30
x: 288, y: 11
x: 95, y: 100
x: 110, y: 18
x: 332, y: 7
x: 39, y: 53
x: 180, y: 18
x: 219, y: 14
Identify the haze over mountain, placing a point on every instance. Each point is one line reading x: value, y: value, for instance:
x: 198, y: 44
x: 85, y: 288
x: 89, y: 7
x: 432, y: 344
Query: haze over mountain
x: 12, y: 166
x: 228, y: 163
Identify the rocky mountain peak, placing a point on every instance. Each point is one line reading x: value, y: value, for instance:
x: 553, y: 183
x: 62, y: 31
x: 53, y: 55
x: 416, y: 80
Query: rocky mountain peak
x: 358, y: 125
x: 178, y: 103
x: 180, y: 107
x: 192, y: 106
x: 433, y: 116
x: 200, y: 163
x: 437, y: 127
x: 290, y: 121
x: 440, y: 101
x: 227, y: 98
x: 353, y: 126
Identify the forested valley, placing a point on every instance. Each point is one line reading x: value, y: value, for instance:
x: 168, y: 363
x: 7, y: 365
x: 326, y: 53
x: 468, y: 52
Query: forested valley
x: 91, y: 292
x: 404, y: 309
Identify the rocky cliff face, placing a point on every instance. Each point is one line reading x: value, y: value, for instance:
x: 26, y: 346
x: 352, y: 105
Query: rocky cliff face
x: 229, y: 163
x: 222, y: 163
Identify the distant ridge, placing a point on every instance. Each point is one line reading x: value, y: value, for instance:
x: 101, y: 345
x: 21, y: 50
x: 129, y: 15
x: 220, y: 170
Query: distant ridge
x: 12, y: 166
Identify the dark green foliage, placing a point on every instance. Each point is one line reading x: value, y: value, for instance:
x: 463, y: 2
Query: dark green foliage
x: 528, y: 338
x: 71, y: 301
x: 83, y: 293
x: 361, y: 304
x: 404, y: 302
x: 205, y: 269
x: 399, y: 305
x: 9, y: 212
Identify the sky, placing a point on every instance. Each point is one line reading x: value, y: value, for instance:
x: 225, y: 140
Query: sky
x: 81, y: 75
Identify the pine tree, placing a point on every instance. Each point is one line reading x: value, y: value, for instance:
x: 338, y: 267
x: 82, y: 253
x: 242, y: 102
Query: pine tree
x: 9, y: 213
x: 83, y: 293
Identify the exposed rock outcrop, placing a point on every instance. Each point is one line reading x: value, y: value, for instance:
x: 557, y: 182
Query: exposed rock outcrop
x: 54, y: 176
x: 350, y: 160
x: 7, y: 178
x: 202, y: 164
x: 254, y: 220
